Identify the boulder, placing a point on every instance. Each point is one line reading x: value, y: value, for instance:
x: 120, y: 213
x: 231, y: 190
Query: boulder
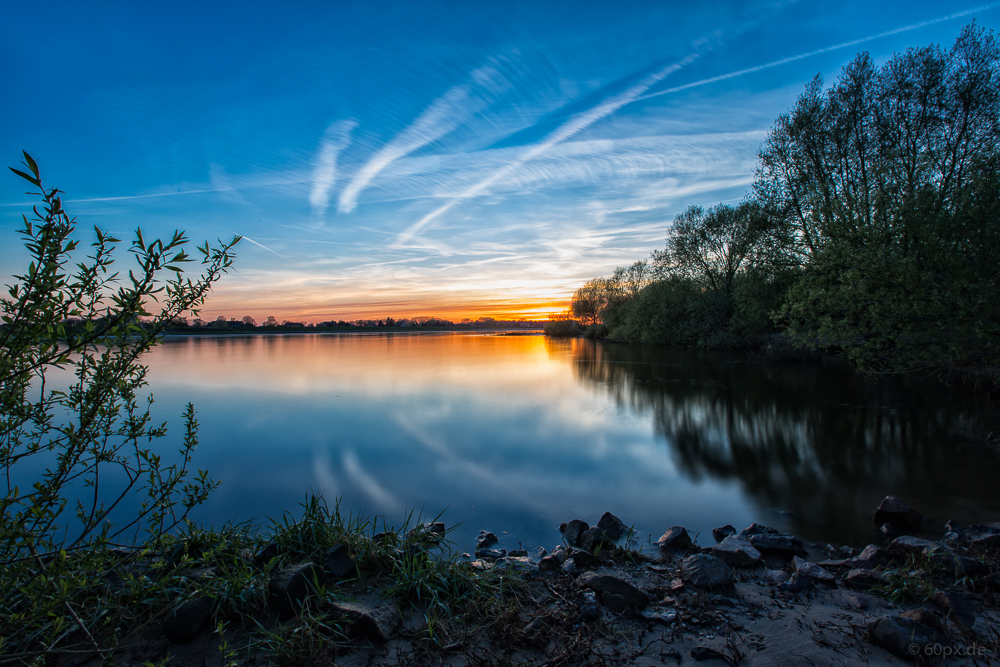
x: 486, y: 540
x: 266, y: 555
x: 894, y: 511
x: 776, y: 576
x: 612, y: 527
x: 864, y: 578
x: 675, y: 539
x: 290, y: 586
x: 904, y: 637
x: 429, y: 534
x: 736, y: 552
x: 630, y: 596
x: 706, y: 571
x: 569, y: 567
x: 574, y: 531
x: 925, y: 616
x: 491, y: 554
x: 769, y: 541
x: 723, y: 532
x: 373, y: 623
x: 891, y: 531
x: 870, y: 557
x: 184, y: 622
x: 812, y: 570
x: 338, y: 562
x: 797, y: 583
x: 956, y: 607
x: 584, y: 560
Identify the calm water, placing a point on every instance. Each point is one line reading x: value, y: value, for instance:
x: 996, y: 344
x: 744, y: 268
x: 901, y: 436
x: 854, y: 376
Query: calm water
x: 520, y: 433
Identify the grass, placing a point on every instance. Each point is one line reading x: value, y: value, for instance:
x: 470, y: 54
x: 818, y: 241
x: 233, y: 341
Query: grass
x: 117, y: 595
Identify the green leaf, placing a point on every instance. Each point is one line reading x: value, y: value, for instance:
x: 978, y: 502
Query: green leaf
x: 31, y: 164
x: 30, y: 179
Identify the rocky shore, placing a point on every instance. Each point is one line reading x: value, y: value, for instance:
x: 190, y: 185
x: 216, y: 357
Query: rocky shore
x: 755, y: 597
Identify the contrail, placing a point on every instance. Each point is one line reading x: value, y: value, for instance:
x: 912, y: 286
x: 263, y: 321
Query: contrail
x: 825, y: 49
x: 574, y: 125
x: 244, y: 236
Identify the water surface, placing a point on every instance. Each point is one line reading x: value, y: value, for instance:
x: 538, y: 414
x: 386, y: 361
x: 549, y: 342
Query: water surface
x: 520, y: 433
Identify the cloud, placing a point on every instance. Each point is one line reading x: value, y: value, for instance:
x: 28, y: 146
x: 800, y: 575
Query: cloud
x: 443, y: 116
x: 367, y: 483
x: 335, y: 139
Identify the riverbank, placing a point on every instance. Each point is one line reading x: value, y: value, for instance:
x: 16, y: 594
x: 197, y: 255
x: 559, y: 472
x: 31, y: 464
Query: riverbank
x: 332, y: 589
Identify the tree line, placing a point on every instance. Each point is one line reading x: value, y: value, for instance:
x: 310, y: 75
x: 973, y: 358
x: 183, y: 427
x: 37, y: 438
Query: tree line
x: 873, y: 227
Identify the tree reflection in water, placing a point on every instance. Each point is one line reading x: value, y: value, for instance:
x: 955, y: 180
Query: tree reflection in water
x: 816, y: 440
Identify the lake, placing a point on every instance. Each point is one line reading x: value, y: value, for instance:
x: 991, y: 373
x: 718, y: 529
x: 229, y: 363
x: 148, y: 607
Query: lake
x: 520, y: 433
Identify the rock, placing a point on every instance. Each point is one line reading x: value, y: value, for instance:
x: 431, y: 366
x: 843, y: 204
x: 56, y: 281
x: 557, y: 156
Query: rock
x: 518, y: 553
x: 491, y: 554
x: 891, y: 530
x: 266, y: 555
x: 925, y: 616
x: 952, y: 526
x: 486, y: 540
x: 956, y: 607
x: 569, y: 567
x: 870, y: 557
x: 842, y: 553
x: 588, y: 605
x: 184, y: 623
x: 549, y: 564
x: 291, y: 585
x: 700, y: 653
x: 895, y: 511
x: 584, y: 560
x: 373, y: 623
x: 706, y: 571
x: 722, y: 533
x: 663, y: 618
x: 904, y: 637
x: 864, y: 578
x: 675, y: 539
x: 593, y: 539
x: 855, y: 600
x: 797, y: 583
x: 812, y: 570
x: 429, y: 534
x: 612, y: 527
x: 757, y: 529
x: 776, y: 576
x: 338, y: 562
x: 986, y: 541
x: 736, y: 552
x: 958, y: 566
x: 574, y: 531
x: 911, y: 544
x: 615, y: 603
x: 632, y: 597
x: 778, y: 544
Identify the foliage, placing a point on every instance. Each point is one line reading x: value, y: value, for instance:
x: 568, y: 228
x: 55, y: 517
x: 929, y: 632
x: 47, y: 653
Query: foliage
x: 74, y: 432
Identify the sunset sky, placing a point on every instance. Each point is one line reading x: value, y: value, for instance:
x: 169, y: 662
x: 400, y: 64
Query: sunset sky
x: 456, y: 159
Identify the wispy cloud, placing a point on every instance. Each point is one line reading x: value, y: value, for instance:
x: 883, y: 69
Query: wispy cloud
x: 259, y: 245
x: 443, y: 116
x: 367, y: 484
x: 335, y: 139
x: 574, y: 125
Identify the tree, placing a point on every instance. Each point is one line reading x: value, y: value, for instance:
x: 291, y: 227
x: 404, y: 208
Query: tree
x: 884, y: 183
x: 589, y: 300
x: 271, y: 321
x: 249, y: 321
x: 70, y: 406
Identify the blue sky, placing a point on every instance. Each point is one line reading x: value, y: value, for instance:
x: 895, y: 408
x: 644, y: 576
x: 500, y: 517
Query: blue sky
x: 405, y: 159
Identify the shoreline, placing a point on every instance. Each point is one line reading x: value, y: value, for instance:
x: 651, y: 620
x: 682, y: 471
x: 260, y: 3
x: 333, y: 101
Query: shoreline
x: 329, y: 589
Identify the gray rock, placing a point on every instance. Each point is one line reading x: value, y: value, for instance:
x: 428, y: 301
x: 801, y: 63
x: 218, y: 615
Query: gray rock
x: 925, y: 616
x: 891, y: 530
x: 904, y: 637
x: 986, y: 541
x: 776, y: 576
x: 290, y: 586
x: 632, y: 597
x: 812, y: 570
x: 675, y: 539
x: 428, y: 534
x: 958, y: 566
x: 184, y: 623
x: 518, y: 553
x: 612, y: 527
x: 778, y: 544
x: 338, y: 562
x: 864, y: 578
x: 569, y: 567
x: 574, y: 531
x: 266, y: 555
x: 584, y: 560
x: 870, y: 557
x: 486, y: 540
x: 588, y: 605
x: 491, y: 554
x: 549, y: 564
x: 797, y: 583
x: 856, y: 600
x: 663, y: 618
x: 911, y: 544
x: 723, y: 532
x: 373, y: 623
x: 706, y: 571
x: 895, y: 511
x: 736, y: 552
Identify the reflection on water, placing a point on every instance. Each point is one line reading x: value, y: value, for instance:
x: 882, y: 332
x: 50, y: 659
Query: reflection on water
x: 817, y: 440
x: 519, y: 433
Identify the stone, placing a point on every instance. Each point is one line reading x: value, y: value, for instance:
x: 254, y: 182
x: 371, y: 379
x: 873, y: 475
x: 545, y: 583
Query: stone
x: 663, y: 618
x: 776, y: 576
x: 266, y: 555
x: 518, y: 553
x: 338, y: 562
x: 778, y: 544
x: 706, y: 571
x: 491, y: 554
x: 373, y: 623
x: 290, y: 586
x: 587, y: 604
x: 593, y: 538
x: 864, y: 578
x: 956, y: 607
x: 895, y: 511
x: 870, y: 557
x: 632, y: 597
x: 952, y: 526
x: 486, y: 540
x: 675, y: 539
x: 736, y: 552
x: 855, y: 600
x: 904, y: 637
x: 986, y: 541
x: 891, y: 531
x: 584, y: 560
x: 574, y: 531
x: 429, y: 534
x: 797, y: 583
x: 701, y: 653
x: 723, y: 532
x: 911, y: 544
x: 549, y: 564
x: 612, y: 527
x: 569, y: 567
x: 184, y: 623
x: 925, y: 616
x: 958, y: 566
x: 812, y: 570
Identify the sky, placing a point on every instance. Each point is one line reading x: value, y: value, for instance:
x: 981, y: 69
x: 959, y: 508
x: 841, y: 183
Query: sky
x: 404, y: 159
